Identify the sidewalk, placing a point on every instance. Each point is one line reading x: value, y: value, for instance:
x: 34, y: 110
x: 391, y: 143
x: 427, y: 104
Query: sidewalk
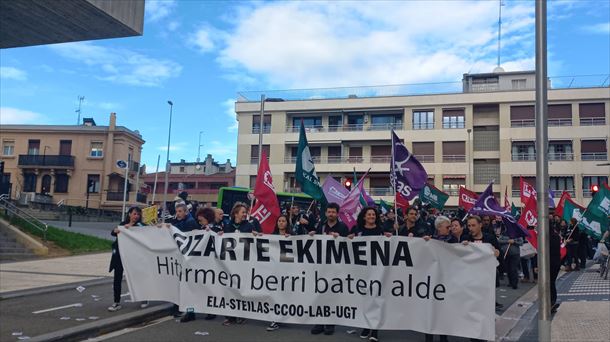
x: 32, y: 274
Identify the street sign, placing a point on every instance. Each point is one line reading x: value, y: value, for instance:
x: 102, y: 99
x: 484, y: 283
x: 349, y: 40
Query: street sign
x: 121, y: 164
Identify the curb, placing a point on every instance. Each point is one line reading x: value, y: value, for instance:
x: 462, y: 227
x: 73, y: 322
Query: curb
x: 53, y: 288
x: 107, y: 325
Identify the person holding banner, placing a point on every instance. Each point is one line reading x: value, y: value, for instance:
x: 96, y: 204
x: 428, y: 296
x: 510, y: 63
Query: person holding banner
x: 332, y: 225
x: 457, y: 230
x: 369, y: 224
x: 281, y: 228
x: 207, y: 219
x: 414, y: 227
x: 134, y: 218
x: 183, y: 220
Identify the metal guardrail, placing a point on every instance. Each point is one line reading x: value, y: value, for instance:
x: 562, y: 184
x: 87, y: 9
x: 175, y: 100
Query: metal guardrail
x: 14, y: 210
x: 593, y: 121
x: 594, y: 156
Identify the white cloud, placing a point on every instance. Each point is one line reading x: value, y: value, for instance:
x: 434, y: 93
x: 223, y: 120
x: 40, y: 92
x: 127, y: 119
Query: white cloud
x: 222, y: 150
x: 109, y: 105
x: 174, y: 147
x: 158, y: 9
x: 10, y: 115
x: 229, y: 106
x: 319, y: 44
x: 202, y: 40
x: 120, y: 65
x: 12, y: 73
x: 603, y: 28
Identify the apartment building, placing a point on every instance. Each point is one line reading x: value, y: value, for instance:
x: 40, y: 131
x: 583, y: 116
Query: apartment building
x: 201, y: 180
x: 71, y: 164
x: 469, y: 137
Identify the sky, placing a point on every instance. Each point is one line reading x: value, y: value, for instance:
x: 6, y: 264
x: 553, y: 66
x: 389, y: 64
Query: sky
x: 200, y: 54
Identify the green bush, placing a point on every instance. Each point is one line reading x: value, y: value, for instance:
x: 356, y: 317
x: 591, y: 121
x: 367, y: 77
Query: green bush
x: 74, y: 242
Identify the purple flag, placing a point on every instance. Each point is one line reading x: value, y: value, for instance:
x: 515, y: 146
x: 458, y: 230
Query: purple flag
x: 334, y: 191
x: 407, y: 175
x: 365, y: 195
x: 352, y: 206
x: 551, y: 199
x: 488, y: 205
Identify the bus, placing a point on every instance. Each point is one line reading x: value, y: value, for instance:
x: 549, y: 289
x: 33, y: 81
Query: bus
x: 228, y: 196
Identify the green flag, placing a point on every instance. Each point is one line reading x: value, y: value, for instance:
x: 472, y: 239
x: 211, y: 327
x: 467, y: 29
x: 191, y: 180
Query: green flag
x: 385, y: 207
x: 572, y: 210
x: 595, y: 226
x: 514, y: 210
x: 433, y: 196
x: 305, y: 171
x: 600, y: 203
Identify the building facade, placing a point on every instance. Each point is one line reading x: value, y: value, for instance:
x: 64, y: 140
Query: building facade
x: 468, y: 138
x: 71, y: 164
x: 201, y: 180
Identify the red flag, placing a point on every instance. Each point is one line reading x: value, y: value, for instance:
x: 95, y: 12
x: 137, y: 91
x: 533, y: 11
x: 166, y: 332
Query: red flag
x: 267, y: 209
x: 527, y: 191
x: 506, y: 201
x: 467, y: 198
x: 559, y: 209
x: 529, y: 216
x: 401, y: 203
x: 533, y: 238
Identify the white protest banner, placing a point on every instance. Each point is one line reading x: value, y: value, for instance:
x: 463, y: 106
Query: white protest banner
x: 371, y: 282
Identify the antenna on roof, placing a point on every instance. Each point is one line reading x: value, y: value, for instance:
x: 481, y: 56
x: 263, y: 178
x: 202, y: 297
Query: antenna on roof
x: 500, y: 30
x: 80, y: 102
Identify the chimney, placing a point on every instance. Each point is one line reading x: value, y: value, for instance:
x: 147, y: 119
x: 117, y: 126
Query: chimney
x: 112, y: 124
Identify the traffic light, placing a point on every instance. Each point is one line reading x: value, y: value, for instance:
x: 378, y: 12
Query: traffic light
x: 594, y: 189
x: 347, y: 183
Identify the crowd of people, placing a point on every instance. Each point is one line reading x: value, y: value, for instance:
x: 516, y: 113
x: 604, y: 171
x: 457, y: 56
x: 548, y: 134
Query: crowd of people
x: 416, y: 221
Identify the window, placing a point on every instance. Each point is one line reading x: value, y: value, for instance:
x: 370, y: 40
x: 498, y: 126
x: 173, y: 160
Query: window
x: 522, y: 116
x: 355, y: 122
x: 97, y: 149
x: 311, y: 123
x: 381, y: 154
x: 252, y: 182
x: 8, y: 147
x: 355, y: 154
x: 453, y: 118
x: 61, y: 183
x: 266, y: 123
x: 423, y: 119
x: 452, y: 184
x: 592, y: 114
x: 335, y: 122
x: 334, y: 154
x: 65, y: 147
x: 588, y: 181
x: 518, y: 84
x: 182, y: 169
x: 454, y: 151
x: 560, y: 115
x: 93, y: 184
x: 516, y: 184
x: 424, y: 151
x: 5, y: 179
x: 29, y: 182
x: 560, y: 150
x: 386, y: 121
x: 524, y: 150
x: 254, y: 153
x: 33, y: 147
x: 593, y: 150
x: 561, y: 184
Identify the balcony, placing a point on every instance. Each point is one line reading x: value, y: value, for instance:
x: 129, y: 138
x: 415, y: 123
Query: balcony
x: 587, y: 193
x: 560, y: 122
x: 454, y: 158
x: 452, y: 192
x: 425, y: 158
x: 381, y: 159
x: 134, y: 166
x: 423, y: 125
x: 27, y: 160
x: 386, y: 191
x: 293, y: 160
x: 385, y: 126
x: 453, y: 125
x: 116, y: 196
x: 593, y: 121
x: 516, y: 193
x: 524, y: 156
x: 331, y: 128
x: 561, y: 156
x: 594, y: 156
x: 522, y: 123
x: 266, y: 129
x: 140, y: 197
x: 558, y: 192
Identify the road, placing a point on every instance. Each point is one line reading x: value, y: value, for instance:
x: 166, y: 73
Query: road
x: 98, y: 229
x: 47, y: 312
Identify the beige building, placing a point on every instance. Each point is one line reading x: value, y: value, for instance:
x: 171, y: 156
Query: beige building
x: 485, y: 132
x: 71, y: 164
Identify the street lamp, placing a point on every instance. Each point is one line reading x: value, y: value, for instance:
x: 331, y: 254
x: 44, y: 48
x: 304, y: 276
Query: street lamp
x: 167, y: 166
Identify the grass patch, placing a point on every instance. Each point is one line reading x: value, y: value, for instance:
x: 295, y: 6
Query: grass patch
x: 75, y: 243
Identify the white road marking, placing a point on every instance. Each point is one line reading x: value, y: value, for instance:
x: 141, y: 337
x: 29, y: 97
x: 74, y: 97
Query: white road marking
x: 75, y: 305
x: 129, y: 330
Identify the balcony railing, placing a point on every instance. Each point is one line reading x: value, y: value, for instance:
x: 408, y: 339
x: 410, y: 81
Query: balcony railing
x: 292, y: 160
x: 452, y: 125
x: 593, y: 121
x: 332, y: 128
x: 385, y: 126
x: 381, y: 159
x: 385, y: 191
x: 266, y: 129
x: 454, y: 158
x: 561, y: 156
x: 587, y: 193
x: 558, y: 192
x: 522, y: 123
x: 594, y: 156
x: 308, y: 129
x: 116, y: 196
x: 425, y: 158
x: 560, y: 122
x: 452, y: 192
x: 423, y: 125
x: 524, y: 156
x: 516, y: 193
x: 46, y: 160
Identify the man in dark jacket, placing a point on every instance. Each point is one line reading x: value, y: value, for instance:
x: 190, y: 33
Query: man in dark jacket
x: 555, y: 264
x: 183, y: 220
x: 300, y: 222
x: 414, y: 227
x: 332, y: 225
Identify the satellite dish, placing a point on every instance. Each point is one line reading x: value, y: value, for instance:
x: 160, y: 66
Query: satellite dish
x: 198, y: 167
x: 498, y: 69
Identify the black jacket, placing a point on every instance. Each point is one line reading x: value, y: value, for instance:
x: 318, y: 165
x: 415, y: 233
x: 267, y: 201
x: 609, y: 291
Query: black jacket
x: 339, y: 227
x: 185, y: 225
x: 419, y: 230
x: 243, y: 227
x: 115, y: 259
x: 487, y: 238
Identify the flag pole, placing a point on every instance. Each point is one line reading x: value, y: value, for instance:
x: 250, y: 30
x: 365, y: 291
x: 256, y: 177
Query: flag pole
x: 542, y: 173
x: 393, y: 185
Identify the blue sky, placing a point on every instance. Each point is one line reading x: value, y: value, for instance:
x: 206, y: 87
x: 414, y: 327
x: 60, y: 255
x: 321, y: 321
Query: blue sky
x: 200, y: 54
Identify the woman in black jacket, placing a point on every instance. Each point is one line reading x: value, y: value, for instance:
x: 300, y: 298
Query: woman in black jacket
x: 134, y: 218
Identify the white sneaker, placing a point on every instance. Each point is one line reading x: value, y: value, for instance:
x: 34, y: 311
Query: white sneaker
x: 144, y: 305
x: 114, y: 307
x: 273, y: 326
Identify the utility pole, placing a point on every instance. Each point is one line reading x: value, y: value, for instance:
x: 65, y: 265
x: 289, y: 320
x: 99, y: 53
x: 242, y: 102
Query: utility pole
x: 542, y: 176
x: 199, y: 148
x: 80, y: 102
x: 167, y: 164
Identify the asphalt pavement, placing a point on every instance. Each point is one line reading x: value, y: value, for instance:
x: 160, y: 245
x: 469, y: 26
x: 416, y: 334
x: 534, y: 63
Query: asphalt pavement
x: 98, y: 229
